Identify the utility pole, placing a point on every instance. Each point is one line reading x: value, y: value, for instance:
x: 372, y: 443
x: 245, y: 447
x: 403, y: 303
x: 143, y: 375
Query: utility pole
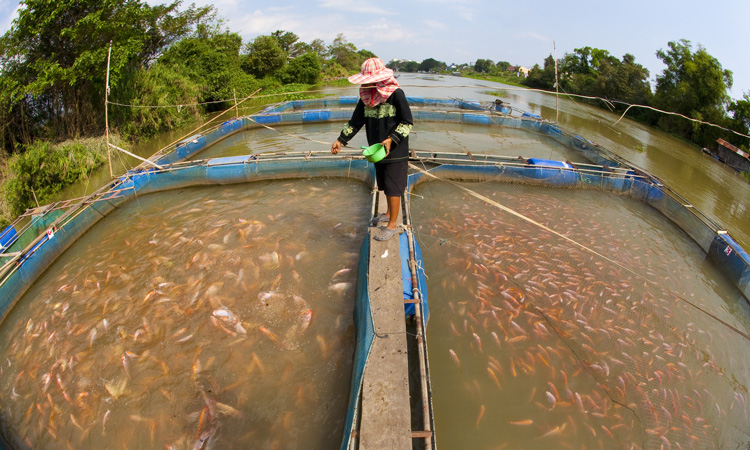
x: 236, y: 108
x: 557, y: 87
x: 106, y: 115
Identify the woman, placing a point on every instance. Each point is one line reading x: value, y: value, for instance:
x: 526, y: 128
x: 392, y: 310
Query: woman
x: 383, y: 110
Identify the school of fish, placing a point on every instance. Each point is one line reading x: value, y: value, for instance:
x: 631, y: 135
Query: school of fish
x: 204, y: 318
x: 537, y: 343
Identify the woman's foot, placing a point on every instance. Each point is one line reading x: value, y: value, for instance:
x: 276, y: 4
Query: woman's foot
x: 380, y: 220
x: 386, y: 233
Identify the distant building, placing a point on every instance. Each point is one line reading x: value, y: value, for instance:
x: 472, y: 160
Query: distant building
x: 523, y: 72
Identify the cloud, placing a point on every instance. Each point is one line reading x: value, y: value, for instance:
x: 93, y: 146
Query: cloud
x: 435, y: 24
x: 533, y: 35
x: 356, y: 7
x: 466, y: 15
x: 383, y: 31
x: 260, y: 22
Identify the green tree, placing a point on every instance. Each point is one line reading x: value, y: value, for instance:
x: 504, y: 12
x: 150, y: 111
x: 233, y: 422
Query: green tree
x: 432, y: 65
x: 319, y: 47
x: 285, y: 39
x: 211, y: 60
x: 484, y: 65
x: 265, y: 56
x: 542, y: 78
x: 344, y: 53
x: 620, y: 80
x: 364, y: 55
x: 693, y: 84
x: 740, y: 110
x: 55, y: 52
x: 303, y: 69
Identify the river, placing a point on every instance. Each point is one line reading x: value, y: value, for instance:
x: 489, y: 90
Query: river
x: 715, y: 189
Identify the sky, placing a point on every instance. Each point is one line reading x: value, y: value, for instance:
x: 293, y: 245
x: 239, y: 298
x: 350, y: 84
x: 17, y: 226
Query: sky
x: 522, y: 32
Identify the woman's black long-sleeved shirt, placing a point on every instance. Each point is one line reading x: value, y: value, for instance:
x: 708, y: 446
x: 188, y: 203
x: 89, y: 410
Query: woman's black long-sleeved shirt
x: 390, y: 119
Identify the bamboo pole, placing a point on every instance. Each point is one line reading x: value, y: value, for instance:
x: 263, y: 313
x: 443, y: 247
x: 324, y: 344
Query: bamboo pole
x: 557, y: 87
x: 135, y: 156
x: 106, y: 112
x: 203, y: 125
x: 422, y: 355
x: 236, y: 108
x: 35, y: 200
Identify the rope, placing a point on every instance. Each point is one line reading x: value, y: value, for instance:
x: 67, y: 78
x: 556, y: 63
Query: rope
x: 607, y: 102
x: 677, y: 114
x: 202, y: 125
x: 594, y: 252
x: 287, y: 134
x: 182, y: 105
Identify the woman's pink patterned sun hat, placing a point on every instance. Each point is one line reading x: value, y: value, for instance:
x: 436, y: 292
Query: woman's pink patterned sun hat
x: 373, y: 70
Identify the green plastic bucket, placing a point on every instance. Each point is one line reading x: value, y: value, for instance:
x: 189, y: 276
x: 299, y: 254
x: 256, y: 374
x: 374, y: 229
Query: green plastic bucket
x: 374, y: 153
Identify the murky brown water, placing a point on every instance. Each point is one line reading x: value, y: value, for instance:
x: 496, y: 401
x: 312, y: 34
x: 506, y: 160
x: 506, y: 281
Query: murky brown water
x: 715, y: 189
x: 620, y: 361
x: 537, y: 343
x: 217, y: 317
x: 446, y: 137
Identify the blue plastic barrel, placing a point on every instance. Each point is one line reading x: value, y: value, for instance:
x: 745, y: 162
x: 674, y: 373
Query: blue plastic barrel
x: 7, y: 237
x: 555, y: 176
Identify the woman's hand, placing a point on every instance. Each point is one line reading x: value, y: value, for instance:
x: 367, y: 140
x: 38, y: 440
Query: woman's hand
x: 387, y: 144
x: 336, y: 146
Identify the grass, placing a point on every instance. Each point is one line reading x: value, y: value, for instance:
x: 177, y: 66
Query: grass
x: 43, y: 169
x: 511, y: 80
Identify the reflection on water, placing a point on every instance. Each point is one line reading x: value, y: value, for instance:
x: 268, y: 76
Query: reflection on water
x: 536, y: 342
x: 213, y: 317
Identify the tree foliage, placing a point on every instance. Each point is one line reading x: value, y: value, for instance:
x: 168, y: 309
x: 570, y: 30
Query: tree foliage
x: 43, y: 169
x: 432, y: 65
x: 344, y: 53
x: 740, y: 110
x: 305, y: 69
x: 693, y: 84
x: 265, y: 56
x: 55, y: 54
x: 542, y: 78
x: 484, y: 65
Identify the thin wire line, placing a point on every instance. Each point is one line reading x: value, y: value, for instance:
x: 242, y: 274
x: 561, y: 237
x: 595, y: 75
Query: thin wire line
x: 181, y: 105
x: 606, y: 101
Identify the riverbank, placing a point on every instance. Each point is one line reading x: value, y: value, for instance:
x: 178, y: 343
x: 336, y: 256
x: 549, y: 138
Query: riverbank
x: 31, y: 177
x: 512, y: 81
x: 37, y: 174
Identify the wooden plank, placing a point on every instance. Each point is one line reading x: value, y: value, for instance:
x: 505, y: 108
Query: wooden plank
x: 386, y: 415
x: 421, y: 434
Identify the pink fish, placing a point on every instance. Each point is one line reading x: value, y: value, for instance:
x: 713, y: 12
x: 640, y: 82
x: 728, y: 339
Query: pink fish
x: 478, y: 341
x: 306, y: 319
x: 126, y: 364
x: 454, y: 357
x: 269, y: 334
x: 550, y: 399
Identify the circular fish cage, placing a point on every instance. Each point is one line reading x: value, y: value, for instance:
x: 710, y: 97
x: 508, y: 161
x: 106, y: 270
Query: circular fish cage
x: 576, y: 301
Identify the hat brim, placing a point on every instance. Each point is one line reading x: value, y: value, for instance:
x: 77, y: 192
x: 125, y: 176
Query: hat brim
x: 374, y: 78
